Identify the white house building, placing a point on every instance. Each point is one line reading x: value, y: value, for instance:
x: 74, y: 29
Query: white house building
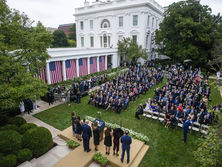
x: 99, y: 27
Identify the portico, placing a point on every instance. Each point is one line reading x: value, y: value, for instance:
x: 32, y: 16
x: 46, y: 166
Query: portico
x: 72, y: 62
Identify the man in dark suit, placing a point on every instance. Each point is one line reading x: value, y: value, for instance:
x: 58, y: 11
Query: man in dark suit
x: 86, y: 134
x: 186, y: 125
x: 126, y: 140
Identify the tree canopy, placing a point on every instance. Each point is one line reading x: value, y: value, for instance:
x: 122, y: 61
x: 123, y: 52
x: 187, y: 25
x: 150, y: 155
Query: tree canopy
x: 187, y: 32
x: 72, y: 34
x: 216, y: 62
x: 59, y: 39
x: 22, y: 55
x: 131, y: 50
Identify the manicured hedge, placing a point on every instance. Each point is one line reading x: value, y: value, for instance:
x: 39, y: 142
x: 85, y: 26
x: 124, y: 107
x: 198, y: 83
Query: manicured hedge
x: 18, y: 121
x: 10, y: 141
x: 9, y: 127
x: 38, y: 140
x: 8, y: 161
x: 3, y: 119
x: 26, y: 127
x: 24, y: 155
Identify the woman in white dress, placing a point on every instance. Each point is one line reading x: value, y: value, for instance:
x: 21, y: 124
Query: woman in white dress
x: 148, y: 105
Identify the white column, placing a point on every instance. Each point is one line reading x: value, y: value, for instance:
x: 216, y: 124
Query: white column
x: 48, y: 73
x: 98, y: 64
x: 106, y: 62
x: 77, y: 67
x: 64, y: 70
x: 88, y: 65
x: 115, y: 60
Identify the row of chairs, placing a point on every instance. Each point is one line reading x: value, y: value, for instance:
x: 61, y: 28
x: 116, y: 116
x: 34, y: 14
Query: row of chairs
x: 160, y: 116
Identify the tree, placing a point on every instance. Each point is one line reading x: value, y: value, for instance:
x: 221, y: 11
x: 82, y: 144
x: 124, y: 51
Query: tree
x: 131, y: 50
x: 216, y: 62
x: 59, y: 39
x: 72, y: 34
x: 209, y: 152
x: 72, y: 43
x: 187, y: 32
x: 22, y: 54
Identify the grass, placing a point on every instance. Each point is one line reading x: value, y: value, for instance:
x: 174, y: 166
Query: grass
x: 166, y: 147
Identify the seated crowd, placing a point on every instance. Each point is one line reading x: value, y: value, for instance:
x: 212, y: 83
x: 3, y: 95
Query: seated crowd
x: 119, y: 92
x: 78, y: 89
x: 185, y: 95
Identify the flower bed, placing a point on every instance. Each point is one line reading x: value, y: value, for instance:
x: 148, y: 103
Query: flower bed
x: 132, y: 133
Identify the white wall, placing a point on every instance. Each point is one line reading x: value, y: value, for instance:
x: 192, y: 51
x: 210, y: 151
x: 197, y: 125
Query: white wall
x: 94, y: 13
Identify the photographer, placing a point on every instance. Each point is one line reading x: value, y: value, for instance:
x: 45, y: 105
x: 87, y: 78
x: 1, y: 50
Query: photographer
x: 139, y: 112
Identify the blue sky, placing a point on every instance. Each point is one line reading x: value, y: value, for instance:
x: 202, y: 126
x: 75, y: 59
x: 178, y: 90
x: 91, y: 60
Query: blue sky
x: 54, y: 12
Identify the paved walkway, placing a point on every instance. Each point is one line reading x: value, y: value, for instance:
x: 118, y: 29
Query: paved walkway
x: 53, y: 155
x: 58, y: 152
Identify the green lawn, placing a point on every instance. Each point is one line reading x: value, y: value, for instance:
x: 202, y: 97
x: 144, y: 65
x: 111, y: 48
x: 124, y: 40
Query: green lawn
x: 166, y: 147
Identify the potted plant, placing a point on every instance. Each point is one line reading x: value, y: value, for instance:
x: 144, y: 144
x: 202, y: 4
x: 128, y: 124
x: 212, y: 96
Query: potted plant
x: 99, y: 159
x: 72, y: 144
x: 104, y: 161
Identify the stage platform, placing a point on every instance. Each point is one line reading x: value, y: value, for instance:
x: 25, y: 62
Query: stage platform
x: 79, y: 158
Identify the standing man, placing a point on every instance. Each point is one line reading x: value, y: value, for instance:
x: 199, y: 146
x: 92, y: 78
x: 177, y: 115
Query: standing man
x: 86, y: 134
x: 186, y: 125
x: 126, y: 140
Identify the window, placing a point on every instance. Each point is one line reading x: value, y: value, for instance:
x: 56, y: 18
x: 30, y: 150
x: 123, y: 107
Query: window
x: 121, y: 21
x: 91, y: 42
x: 135, y: 20
x: 82, y: 42
x: 108, y: 41
x: 148, y: 22
x: 105, y: 24
x: 101, y: 42
x: 134, y: 38
x: 100, y: 59
x: 91, y: 24
x: 105, y: 41
x: 153, y: 22
x: 81, y: 25
x: 120, y: 37
x: 156, y: 23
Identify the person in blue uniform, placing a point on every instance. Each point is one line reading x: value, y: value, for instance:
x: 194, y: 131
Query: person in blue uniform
x: 126, y: 140
x: 186, y: 125
x: 86, y: 134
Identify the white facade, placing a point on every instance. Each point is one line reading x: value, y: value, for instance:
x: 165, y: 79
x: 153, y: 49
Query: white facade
x: 102, y: 24
x: 99, y: 27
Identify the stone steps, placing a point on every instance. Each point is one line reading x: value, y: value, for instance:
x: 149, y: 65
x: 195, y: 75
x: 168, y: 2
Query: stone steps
x: 140, y: 156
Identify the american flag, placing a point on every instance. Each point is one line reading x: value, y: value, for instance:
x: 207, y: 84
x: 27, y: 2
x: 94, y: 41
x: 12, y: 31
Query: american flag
x: 55, y: 71
x: 71, y: 69
x: 83, y: 69
x: 101, y: 63
x: 42, y: 75
x: 93, y: 65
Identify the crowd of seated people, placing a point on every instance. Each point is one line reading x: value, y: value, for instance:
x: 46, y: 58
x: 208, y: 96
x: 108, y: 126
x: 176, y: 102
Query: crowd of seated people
x: 78, y: 89
x: 186, y: 94
x: 119, y: 92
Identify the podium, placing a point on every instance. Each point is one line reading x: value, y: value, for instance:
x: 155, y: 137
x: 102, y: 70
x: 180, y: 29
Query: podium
x: 101, y: 127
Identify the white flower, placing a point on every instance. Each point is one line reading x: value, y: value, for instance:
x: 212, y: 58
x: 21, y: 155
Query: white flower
x: 135, y: 135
